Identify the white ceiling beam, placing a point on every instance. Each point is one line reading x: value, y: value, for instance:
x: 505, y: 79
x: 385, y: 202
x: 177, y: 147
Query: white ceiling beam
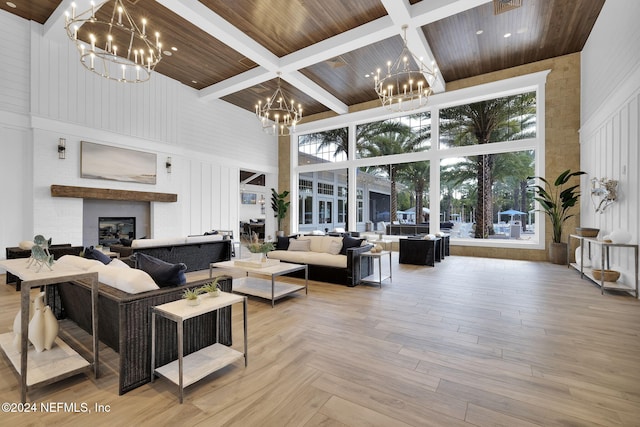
x: 356, y: 38
x: 237, y: 83
x: 400, y: 13
x: 53, y: 28
x: 426, y: 12
x: 309, y: 87
x: 213, y: 24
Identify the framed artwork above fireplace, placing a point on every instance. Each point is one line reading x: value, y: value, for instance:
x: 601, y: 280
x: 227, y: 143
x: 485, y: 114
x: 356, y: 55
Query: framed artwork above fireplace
x: 100, y: 161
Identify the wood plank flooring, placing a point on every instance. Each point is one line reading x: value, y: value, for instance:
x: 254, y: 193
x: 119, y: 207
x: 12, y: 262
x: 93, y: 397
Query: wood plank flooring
x: 471, y: 342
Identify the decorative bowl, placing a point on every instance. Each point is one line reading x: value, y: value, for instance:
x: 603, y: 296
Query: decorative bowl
x: 609, y: 275
x: 587, y: 232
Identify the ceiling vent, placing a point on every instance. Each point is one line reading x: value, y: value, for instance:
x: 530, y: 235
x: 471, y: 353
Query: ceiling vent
x: 500, y: 6
x: 336, y: 62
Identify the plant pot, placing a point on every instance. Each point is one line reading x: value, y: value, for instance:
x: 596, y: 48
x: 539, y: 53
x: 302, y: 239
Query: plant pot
x: 558, y: 253
x: 193, y: 302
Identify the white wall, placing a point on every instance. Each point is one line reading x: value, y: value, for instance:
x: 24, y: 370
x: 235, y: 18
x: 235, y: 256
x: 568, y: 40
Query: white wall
x: 45, y: 94
x: 610, y: 112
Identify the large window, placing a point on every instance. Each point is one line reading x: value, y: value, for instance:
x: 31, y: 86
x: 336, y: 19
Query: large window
x: 505, y: 211
x: 481, y: 153
x: 406, y: 134
x: 323, y: 147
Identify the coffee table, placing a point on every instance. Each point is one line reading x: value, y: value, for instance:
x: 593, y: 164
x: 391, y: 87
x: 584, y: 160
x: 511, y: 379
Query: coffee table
x: 264, y: 288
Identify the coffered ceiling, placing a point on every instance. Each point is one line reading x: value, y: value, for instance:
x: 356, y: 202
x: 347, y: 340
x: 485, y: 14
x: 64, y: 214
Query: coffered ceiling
x: 326, y: 50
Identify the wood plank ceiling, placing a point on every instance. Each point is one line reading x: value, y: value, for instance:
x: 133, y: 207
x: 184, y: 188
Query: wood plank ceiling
x: 233, y: 50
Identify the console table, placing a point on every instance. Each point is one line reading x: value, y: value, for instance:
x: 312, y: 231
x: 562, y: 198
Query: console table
x: 49, y: 366
x: 604, y: 262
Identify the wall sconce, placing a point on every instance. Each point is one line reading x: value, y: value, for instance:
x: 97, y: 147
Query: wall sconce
x: 262, y: 202
x: 168, y: 164
x: 603, y: 193
x: 62, y: 148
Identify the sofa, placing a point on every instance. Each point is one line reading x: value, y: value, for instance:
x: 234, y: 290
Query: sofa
x: 332, y: 259
x: 124, y: 323
x: 197, y: 252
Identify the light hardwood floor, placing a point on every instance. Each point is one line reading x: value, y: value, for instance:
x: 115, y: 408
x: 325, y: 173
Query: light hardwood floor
x: 471, y: 342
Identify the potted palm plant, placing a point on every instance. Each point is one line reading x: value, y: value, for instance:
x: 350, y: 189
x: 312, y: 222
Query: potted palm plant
x: 280, y: 207
x: 556, y: 200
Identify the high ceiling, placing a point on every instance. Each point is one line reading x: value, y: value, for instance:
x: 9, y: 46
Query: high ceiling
x: 325, y: 49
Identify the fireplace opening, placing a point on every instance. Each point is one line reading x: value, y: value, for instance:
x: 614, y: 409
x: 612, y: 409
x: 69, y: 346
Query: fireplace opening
x: 112, y: 229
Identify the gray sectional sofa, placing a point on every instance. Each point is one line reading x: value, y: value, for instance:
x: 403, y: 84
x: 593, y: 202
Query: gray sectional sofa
x: 197, y: 252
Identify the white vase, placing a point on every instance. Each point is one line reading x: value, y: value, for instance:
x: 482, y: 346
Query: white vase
x: 50, y: 328
x: 36, y: 330
x: 620, y: 236
x: 38, y: 301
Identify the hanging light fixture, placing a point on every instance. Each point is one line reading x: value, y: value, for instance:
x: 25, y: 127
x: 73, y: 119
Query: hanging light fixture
x: 404, y: 88
x: 116, y: 48
x: 278, y: 115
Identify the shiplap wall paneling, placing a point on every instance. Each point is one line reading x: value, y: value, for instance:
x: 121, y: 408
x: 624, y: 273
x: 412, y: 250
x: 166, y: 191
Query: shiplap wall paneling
x: 15, y: 70
x: 195, y: 202
x: 217, y: 181
x: 207, y: 196
x: 66, y: 91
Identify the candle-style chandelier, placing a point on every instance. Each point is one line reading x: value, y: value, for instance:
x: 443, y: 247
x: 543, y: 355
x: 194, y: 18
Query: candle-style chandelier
x: 113, y: 48
x: 278, y: 116
x: 404, y: 88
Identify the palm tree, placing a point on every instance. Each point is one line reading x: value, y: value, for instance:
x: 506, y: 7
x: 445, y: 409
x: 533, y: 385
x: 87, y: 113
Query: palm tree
x: 485, y: 122
x: 401, y: 140
x: 417, y: 176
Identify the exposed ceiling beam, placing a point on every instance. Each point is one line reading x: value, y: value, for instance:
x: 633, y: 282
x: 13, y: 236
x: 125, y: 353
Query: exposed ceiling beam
x: 400, y: 13
x: 213, y: 24
x: 306, y: 85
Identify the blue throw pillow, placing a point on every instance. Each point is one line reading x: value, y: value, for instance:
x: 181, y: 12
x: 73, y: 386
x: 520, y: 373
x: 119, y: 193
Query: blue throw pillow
x: 163, y: 273
x: 350, y: 242
x: 91, y: 253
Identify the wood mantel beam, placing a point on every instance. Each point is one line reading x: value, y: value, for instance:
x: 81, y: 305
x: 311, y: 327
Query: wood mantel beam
x: 109, y: 194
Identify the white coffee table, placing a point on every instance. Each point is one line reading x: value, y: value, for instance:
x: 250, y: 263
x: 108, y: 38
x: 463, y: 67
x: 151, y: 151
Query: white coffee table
x: 264, y: 288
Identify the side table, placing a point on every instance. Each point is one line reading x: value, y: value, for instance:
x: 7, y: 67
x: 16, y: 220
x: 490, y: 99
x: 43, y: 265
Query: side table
x: 61, y: 361
x: 371, y: 278
x: 192, y: 368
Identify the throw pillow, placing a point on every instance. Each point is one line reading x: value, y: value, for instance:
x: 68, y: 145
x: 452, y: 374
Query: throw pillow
x: 334, y: 247
x: 299, y: 245
x: 283, y: 243
x: 210, y: 233
x: 91, y: 253
x: 350, y: 242
x: 127, y: 280
x: 116, y: 263
x: 126, y: 242
x: 26, y: 245
x: 163, y: 273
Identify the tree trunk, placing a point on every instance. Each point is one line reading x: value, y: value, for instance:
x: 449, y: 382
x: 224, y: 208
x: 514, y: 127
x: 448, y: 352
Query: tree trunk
x: 393, y: 215
x: 484, y: 208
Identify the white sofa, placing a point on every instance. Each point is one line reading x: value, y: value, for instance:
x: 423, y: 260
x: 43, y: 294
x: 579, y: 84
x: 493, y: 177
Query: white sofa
x: 326, y: 259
